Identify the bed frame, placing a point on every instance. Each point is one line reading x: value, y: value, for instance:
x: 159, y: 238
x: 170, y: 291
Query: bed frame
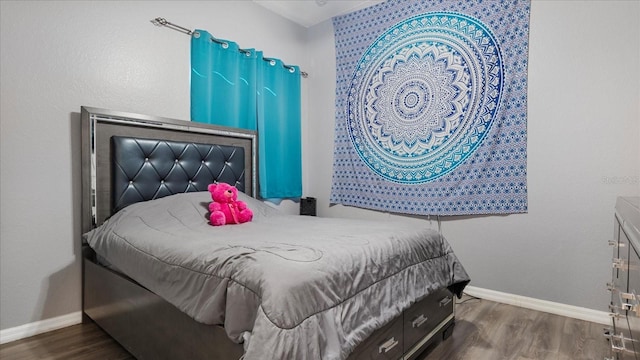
x: 142, y: 322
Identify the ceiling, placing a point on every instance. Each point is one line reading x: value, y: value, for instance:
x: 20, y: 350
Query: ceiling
x: 311, y: 12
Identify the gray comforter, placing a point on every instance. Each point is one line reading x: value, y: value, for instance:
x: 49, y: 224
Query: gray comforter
x: 289, y: 287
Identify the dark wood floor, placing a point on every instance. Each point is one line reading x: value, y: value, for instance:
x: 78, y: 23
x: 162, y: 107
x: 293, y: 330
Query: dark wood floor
x: 484, y: 330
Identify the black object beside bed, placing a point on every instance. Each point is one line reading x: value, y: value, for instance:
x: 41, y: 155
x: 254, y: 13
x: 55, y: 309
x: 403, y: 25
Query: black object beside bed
x: 133, y: 159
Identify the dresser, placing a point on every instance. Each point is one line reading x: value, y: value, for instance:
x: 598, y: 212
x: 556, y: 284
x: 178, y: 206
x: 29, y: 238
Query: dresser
x: 624, y: 334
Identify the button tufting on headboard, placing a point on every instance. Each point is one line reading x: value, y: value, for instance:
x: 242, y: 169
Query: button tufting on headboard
x: 146, y: 169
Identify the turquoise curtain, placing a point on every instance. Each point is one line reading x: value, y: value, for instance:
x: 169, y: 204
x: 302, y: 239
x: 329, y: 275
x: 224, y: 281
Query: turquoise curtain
x: 223, y: 82
x: 279, y: 130
x: 240, y: 88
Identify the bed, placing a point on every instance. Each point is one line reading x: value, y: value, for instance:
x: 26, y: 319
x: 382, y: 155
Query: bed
x: 167, y: 285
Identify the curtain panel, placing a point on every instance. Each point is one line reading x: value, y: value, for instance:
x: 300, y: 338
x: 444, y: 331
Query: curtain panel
x: 279, y: 130
x: 236, y: 87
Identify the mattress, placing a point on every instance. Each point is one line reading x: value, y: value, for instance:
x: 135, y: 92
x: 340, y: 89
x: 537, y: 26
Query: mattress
x: 285, y: 286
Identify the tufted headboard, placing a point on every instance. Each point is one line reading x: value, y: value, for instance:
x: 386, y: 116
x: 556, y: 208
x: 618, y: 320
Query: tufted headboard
x: 127, y: 158
x: 147, y: 169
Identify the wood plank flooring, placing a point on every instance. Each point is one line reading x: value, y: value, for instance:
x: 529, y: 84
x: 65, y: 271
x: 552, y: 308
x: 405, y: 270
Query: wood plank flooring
x: 484, y: 330
x: 78, y: 342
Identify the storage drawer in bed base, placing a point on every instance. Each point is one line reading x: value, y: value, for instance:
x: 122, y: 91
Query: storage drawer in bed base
x: 422, y: 325
x: 385, y: 342
x: 440, y: 332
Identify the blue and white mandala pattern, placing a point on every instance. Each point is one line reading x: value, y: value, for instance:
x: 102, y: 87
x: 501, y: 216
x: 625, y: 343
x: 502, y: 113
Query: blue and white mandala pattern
x: 431, y: 107
x: 424, y: 95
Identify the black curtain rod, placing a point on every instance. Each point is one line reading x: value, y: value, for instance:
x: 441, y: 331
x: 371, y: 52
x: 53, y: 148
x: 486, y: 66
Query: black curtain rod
x: 163, y: 22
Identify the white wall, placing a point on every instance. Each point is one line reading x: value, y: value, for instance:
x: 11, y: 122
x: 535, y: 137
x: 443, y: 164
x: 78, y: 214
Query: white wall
x: 584, y: 129
x: 583, y: 151
x: 59, y: 55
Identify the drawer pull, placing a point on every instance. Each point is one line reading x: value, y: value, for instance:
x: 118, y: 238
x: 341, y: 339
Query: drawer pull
x: 618, y: 343
x: 387, y: 345
x: 615, y: 341
x: 619, y: 264
x: 444, y: 302
x: 630, y: 302
x: 615, y: 243
x: 615, y: 315
x: 419, y: 321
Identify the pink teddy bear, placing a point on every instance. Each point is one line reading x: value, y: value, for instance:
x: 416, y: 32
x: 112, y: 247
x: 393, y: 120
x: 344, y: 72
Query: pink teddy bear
x: 225, y: 207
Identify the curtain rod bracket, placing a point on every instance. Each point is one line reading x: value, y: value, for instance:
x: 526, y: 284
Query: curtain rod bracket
x: 160, y: 22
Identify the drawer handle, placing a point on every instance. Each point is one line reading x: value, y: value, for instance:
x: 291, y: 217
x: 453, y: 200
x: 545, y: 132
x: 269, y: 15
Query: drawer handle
x: 419, y: 321
x: 615, y: 243
x: 633, y: 303
x: 618, y: 343
x: 444, y: 302
x: 615, y: 315
x: 620, y: 264
x: 387, y: 345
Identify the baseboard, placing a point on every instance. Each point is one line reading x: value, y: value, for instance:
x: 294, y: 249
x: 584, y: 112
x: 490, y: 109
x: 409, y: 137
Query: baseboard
x: 575, y: 312
x: 39, y: 327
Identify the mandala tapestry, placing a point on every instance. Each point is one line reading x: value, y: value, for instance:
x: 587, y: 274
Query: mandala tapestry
x: 431, y: 107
